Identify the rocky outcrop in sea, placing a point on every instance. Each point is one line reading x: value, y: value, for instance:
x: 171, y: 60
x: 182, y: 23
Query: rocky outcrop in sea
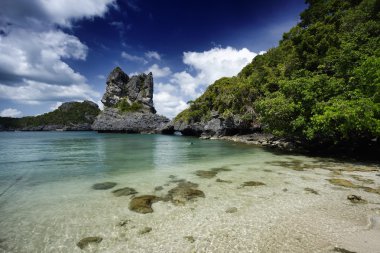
x: 128, y: 105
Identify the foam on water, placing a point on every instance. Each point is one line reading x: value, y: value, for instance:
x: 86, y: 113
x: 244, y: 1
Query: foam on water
x: 53, y: 205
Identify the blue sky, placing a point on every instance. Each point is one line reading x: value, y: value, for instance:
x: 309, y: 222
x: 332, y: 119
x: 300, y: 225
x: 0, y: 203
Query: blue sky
x: 53, y: 51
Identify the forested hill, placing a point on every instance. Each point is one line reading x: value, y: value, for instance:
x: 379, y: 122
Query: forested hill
x: 320, y: 85
x: 69, y: 116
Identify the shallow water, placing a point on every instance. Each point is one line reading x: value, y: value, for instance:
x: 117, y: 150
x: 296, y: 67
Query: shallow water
x: 47, y: 203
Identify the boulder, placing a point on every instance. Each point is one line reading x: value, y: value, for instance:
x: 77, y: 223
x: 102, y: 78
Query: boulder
x: 206, y: 173
x: 86, y: 241
x: 184, y: 192
x: 252, y: 183
x: 124, y: 191
x: 103, y: 186
x: 143, y: 204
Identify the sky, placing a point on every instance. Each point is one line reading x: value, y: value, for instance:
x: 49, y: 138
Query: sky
x: 55, y: 51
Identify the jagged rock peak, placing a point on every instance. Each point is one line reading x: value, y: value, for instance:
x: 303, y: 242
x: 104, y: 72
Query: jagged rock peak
x: 117, y: 76
x: 135, y: 89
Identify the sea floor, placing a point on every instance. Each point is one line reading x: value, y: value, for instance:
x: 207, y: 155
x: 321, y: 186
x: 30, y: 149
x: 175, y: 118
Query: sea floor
x: 296, y: 209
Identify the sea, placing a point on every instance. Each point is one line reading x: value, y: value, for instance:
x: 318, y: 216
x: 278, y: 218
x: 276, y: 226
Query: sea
x: 48, y: 202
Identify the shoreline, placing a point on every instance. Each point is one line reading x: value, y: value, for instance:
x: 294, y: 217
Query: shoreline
x: 282, y: 145
x: 366, y: 154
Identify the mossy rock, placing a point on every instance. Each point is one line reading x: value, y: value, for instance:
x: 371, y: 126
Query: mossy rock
x: 124, y: 191
x: 356, y: 199
x: 104, y: 186
x: 206, y: 173
x: 143, y: 204
x: 363, y: 180
x: 231, y: 210
x: 253, y: 183
x: 86, y: 241
x: 311, y: 190
x: 342, y: 182
x: 184, y: 192
x: 145, y: 230
x: 218, y: 180
x: 371, y: 190
x: 221, y: 169
x: 190, y: 239
x: 158, y: 188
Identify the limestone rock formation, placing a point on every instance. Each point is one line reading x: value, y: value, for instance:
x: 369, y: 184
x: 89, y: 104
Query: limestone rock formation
x: 128, y: 105
x: 137, y: 89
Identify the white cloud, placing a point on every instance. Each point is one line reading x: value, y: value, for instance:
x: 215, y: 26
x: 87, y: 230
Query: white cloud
x: 134, y: 58
x: 40, y: 57
x: 64, y: 11
x: 218, y: 62
x: 102, y: 77
x: 153, y: 55
x: 10, y: 112
x: 207, y: 66
x: 168, y: 104
x: 34, y: 49
x: 55, y: 106
x: 41, y: 14
x: 100, y: 104
x: 158, y: 72
x: 32, y: 92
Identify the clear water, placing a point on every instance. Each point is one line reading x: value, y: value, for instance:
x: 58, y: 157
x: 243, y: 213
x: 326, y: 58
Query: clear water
x: 47, y: 203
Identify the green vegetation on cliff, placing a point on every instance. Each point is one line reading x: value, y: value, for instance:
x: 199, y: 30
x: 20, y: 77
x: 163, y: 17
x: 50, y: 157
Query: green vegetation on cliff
x: 67, y: 114
x: 321, y: 84
x: 124, y: 106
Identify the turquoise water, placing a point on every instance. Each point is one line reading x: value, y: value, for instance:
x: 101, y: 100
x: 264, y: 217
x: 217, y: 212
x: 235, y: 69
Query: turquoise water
x: 47, y: 203
x: 40, y: 157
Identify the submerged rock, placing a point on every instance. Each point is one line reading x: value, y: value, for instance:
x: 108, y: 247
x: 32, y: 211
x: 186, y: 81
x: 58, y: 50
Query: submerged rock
x: 86, y: 241
x: 124, y: 222
x: 311, y: 190
x: 356, y: 199
x: 342, y: 250
x: 124, y: 191
x: 206, y: 173
x: 143, y: 204
x: 362, y: 179
x: 184, y: 192
x: 158, y: 188
x: 104, y: 186
x: 221, y: 169
x: 181, y: 180
x: 145, y: 230
x: 342, y: 182
x: 223, y: 181
x: 252, y: 183
x: 231, y: 210
x: 371, y: 190
x: 190, y: 239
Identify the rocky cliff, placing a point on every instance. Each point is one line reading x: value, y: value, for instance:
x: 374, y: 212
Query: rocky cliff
x: 128, y: 105
x: 215, y: 126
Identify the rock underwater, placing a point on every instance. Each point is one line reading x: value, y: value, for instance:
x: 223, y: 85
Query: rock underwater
x: 128, y: 105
